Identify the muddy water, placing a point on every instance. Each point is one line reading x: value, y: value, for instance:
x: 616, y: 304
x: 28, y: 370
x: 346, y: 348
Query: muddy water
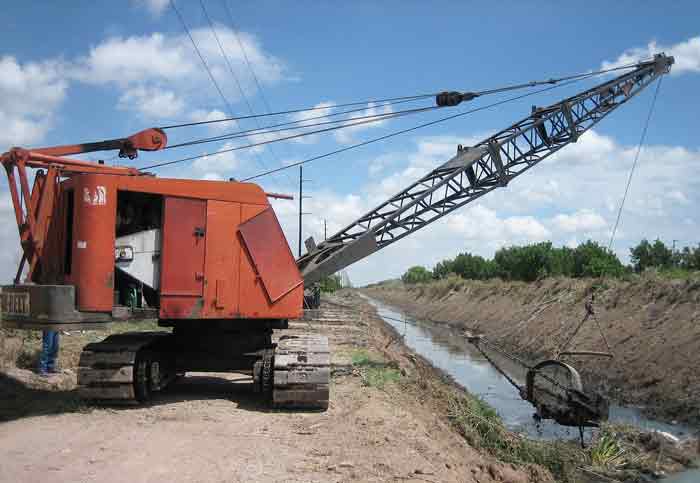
x: 447, y: 349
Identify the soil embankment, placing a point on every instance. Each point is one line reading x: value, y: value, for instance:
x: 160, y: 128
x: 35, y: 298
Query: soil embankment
x: 387, y: 421
x: 652, y: 326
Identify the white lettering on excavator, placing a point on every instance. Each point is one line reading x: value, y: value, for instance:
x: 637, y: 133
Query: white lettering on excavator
x: 96, y: 198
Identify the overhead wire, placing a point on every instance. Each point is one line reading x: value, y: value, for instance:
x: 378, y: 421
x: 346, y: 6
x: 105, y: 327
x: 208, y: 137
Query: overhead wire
x: 235, y: 78
x: 209, y: 72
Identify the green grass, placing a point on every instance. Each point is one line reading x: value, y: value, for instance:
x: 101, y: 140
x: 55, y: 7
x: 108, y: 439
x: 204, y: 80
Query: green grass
x: 482, y: 428
x: 375, y: 372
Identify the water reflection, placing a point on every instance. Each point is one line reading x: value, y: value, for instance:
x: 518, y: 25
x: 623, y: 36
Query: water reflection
x: 447, y: 349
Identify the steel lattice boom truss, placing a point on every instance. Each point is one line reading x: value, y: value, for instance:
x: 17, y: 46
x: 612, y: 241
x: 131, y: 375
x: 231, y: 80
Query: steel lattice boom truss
x: 475, y: 171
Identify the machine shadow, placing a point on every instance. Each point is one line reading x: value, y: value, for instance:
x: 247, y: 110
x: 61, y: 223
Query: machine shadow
x: 19, y: 399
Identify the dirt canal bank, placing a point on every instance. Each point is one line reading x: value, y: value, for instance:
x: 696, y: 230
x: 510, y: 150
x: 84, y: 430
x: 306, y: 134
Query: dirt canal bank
x: 387, y: 421
x: 652, y: 325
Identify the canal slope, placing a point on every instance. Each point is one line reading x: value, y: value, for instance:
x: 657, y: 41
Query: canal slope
x: 651, y: 324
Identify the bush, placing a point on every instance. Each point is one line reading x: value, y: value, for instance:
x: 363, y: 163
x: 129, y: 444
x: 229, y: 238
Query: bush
x: 417, y: 274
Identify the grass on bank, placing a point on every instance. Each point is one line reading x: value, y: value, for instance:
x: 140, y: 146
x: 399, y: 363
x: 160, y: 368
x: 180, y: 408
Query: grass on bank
x: 374, y: 370
x: 617, y: 451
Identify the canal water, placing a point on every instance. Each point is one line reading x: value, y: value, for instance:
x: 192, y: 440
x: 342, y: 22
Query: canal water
x: 447, y: 349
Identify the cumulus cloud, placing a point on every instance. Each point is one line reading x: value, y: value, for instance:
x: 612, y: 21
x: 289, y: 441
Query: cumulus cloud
x: 154, y: 7
x: 346, y: 135
x: 686, y: 54
x: 568, y: 199
x: 152, y: 102
x: 30, y: 93
x: 584, y: 220
x: 168, y: 69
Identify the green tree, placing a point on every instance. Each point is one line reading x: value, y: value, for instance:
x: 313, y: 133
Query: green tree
x: 443, y: 269
x: 646, y: 255
x: 526, y: 263
x: 417, y: 274
x: 594, y: 260
x: 330, y: 284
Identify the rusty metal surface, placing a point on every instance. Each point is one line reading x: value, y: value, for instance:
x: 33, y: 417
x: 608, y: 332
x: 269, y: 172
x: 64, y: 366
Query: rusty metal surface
x: 269, y: 251
x: 555, y: 389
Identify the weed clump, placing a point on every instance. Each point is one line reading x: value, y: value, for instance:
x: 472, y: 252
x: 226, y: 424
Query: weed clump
x: 482, y: 428
x: 375, y: 372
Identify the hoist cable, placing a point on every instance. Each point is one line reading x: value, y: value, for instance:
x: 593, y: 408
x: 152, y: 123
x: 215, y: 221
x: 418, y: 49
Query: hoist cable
x: 393, y: 100
x: 364, y: 143
x: 386, y: 101
x: 267, y: 130
x: 285, y: 138
x: 414, y: 128
x: 634, y: 164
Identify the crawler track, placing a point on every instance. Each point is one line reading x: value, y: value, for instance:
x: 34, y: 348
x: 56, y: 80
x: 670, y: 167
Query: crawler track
x: 120, y: 368
x: 301, y: 372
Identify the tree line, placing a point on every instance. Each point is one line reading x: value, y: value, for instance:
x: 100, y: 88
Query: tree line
x: 540, y: 260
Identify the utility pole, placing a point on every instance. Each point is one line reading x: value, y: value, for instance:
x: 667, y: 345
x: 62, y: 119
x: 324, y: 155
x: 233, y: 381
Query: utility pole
x: 301, y: 205
x: 325, y: 230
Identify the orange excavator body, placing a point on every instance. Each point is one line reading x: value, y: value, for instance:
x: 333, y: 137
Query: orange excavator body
x: 220, y: 254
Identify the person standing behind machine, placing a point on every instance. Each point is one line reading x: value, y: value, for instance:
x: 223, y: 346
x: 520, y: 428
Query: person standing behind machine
x: 49, y: 353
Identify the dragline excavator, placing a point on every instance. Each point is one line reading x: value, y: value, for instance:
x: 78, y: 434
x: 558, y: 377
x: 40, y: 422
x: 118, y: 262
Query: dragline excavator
x: 210, y: 259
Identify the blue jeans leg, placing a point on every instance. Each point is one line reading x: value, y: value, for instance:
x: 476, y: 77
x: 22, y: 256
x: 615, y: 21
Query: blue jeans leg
x: 49, y: 351
x: 53, y: 354
x: 46, y: 343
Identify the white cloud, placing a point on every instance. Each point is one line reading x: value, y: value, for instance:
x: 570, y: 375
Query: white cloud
x: 169, y: 66
x: 30, y: 94
x: 584, y: 220
x: 346, y: 134
x: 221, y: 165
x: 686, y: 54
x: 154, y: 7
x: 152, y: 102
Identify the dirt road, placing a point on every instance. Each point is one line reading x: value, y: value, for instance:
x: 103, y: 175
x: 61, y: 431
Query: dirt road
x: 213, y: 428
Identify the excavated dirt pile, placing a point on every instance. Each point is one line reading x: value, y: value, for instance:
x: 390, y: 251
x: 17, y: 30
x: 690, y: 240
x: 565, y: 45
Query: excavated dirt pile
x: 651, y: 323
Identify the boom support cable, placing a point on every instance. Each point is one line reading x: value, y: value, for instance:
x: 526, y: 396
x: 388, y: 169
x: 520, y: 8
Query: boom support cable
x: 414, y: 128
x: 395, y: 100
x: 634, y: 164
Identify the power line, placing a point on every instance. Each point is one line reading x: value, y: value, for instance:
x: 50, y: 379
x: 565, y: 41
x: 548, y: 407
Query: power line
x: 211, y: 75
x: 634, y: 164
x: 235, y: 78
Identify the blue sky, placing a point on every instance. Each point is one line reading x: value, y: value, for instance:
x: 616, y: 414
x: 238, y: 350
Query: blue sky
x: 101, y: 69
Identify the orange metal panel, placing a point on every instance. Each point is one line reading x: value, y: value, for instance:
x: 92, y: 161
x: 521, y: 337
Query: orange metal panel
x: 95, y: 202
x: 269, y: 251
x: 222, y: 260
x: 208, y: 190
x: 253, y: 299
x: 182, y: 254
